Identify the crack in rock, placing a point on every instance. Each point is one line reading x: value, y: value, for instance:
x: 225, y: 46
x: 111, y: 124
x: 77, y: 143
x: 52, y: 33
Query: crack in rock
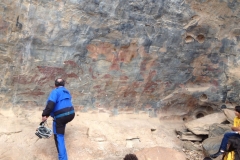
x: 9, y: 133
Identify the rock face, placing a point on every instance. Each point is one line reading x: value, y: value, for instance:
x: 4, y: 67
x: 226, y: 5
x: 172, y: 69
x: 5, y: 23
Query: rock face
x: 174, y: 59
x: 178, y: 58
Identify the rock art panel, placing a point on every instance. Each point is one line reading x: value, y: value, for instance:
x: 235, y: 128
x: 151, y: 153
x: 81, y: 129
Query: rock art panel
x: 173, y: 59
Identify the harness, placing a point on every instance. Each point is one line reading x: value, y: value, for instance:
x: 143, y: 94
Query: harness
x: 64, y: 114
x: 43, y: 132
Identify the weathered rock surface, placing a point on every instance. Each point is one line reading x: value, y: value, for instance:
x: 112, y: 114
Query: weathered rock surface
x: 175, y: 60
x: 188, y: 145
x: 212, y: 140
x: 211, y: 145
x: 160, y: 153
x: 230, y: 114
x: 201, y: 126
x: 185, y: 134
x: 146, y: 55
x: 90, y: 136
x: 218, y: 129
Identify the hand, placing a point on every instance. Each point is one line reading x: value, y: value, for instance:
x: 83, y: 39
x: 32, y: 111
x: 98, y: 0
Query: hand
x: 44, y: 118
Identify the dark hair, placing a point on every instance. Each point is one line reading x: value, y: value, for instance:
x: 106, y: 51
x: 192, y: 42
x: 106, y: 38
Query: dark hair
x: 130, y: 157
x: 237, y: 109
x: 59, y: 82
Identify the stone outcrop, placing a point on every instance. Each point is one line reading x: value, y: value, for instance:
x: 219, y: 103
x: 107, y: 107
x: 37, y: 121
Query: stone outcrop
x: 212, y: 143
x: 177, y: 59
x: 230, y: 115
x: 174, y: 59
x: 201, y: 126
x: 213, y: 126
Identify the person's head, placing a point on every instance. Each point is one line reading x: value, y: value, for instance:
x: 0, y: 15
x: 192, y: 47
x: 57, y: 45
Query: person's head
x: 59, y: 82
x: 130, y: 157
x: 237, y: 111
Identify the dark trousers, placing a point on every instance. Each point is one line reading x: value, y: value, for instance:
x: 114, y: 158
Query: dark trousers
x: 226, y: 136
x: 59, y: 125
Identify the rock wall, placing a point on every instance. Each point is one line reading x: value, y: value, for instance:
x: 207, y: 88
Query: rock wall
x: 178, y: 58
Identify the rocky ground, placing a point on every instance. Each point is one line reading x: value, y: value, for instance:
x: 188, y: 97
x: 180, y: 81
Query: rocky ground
x: 92, y: 136
x: 193, y: 155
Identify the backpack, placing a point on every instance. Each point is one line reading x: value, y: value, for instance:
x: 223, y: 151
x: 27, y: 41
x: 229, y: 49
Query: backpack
x: 234, y: 145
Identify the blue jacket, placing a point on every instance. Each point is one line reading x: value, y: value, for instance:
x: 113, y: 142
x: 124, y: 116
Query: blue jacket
x: 58, y: 100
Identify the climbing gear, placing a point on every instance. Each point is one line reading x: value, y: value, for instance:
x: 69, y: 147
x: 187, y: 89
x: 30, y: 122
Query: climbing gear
x: 43, y: 132
x: 64, y: 114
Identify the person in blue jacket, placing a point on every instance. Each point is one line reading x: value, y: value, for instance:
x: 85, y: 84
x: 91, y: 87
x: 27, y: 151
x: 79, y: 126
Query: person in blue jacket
x: 59, y: 106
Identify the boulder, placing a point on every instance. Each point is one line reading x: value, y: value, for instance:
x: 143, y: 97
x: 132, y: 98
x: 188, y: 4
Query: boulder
x: 218, y: 129
x: 189, y: 136
x: 200, y: 126
x: 230, y: 114
x: 211, y: 145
